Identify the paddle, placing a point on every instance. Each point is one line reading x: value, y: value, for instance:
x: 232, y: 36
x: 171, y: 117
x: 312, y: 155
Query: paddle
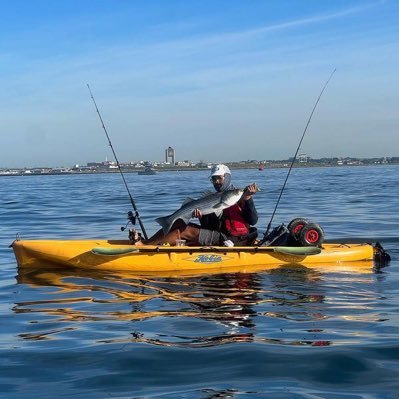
x: 295, y: 251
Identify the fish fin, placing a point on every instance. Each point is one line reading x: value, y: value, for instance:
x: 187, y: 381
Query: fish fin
x: 186, y: 220
x: 218, y: 209
x: 206, y: 193
x: 187, y: 201
x: 165, y: 223
x: 218, y: 212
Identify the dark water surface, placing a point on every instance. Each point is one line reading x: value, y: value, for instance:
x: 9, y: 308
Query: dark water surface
x: 287, y: 333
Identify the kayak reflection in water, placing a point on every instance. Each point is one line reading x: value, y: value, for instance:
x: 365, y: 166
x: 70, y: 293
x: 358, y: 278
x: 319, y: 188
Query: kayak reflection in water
x: 229, y: 224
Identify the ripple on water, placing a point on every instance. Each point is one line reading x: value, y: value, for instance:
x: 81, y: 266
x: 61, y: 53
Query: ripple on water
x: 290, y: 332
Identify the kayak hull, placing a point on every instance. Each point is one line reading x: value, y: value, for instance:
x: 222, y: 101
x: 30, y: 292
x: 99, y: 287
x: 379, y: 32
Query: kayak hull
x: 122, y: 256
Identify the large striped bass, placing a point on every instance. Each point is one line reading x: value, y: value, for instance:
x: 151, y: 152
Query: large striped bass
x: 210, y: 203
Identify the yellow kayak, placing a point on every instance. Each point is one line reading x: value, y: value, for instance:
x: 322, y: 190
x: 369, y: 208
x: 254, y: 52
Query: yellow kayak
x: 121, y: 255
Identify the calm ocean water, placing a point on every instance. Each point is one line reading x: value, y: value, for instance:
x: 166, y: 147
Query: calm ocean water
x: 286, y: 333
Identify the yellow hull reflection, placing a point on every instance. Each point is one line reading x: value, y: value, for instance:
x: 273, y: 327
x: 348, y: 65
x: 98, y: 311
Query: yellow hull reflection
x: 234, y: 301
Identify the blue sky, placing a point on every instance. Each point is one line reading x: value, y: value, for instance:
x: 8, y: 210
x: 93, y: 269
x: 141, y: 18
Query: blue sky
x: 218, y: 80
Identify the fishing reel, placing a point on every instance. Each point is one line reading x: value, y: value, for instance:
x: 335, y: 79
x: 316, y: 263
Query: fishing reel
x: 131, y: 219
x: 133, y: 235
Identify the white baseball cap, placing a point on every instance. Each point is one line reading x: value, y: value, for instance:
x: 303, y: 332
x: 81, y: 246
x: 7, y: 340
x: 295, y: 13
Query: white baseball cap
x: 220, y: 170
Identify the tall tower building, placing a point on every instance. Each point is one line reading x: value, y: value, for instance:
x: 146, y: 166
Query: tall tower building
x: 170, y: 154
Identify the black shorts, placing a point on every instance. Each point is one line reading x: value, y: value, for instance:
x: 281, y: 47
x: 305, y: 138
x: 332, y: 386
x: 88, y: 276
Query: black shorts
x: 211, y: 237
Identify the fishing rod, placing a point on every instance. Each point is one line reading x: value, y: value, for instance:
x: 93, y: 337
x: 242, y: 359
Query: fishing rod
x: 296, y: 152
x: 132, y: 217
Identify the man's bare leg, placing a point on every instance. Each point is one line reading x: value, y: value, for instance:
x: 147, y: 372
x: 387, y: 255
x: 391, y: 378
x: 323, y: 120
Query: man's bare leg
x: 190, y: 233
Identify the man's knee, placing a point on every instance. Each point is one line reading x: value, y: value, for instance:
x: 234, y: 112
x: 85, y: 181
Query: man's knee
x: 191, y: 232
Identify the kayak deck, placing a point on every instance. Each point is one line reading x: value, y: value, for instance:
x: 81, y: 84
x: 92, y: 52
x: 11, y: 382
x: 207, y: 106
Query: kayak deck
x: 121, y: 255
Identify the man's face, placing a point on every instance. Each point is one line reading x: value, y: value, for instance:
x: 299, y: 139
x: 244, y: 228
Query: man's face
x: 217, y: 182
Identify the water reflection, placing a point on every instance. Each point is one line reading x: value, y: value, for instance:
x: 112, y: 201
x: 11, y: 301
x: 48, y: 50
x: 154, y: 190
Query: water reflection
x: 291, y: 305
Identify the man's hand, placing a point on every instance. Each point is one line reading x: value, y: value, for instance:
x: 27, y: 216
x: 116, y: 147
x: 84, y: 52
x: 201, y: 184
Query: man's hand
x: 249, y: 191
x: 197, y: 213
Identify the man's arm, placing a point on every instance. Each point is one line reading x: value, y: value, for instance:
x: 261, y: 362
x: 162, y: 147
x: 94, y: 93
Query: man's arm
x: 249, y: 212
x: 247, y: 204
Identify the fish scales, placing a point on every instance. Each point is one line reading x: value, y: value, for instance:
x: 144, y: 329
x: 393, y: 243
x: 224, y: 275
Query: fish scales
x: 210, y: 203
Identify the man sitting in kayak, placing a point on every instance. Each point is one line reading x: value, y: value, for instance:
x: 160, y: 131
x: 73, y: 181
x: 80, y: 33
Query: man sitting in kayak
x: 232, y: 227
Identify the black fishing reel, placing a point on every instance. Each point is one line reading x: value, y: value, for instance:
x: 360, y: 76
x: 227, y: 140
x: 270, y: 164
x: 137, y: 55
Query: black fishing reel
x: 131, y: 220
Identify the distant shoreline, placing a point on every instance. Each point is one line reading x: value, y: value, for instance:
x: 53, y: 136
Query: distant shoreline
x: 234, y: 166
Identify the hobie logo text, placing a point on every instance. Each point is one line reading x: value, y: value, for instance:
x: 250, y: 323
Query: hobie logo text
x: 208, y: 259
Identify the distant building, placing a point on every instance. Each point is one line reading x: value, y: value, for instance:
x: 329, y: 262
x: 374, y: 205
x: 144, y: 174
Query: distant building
x: 184, y: 163
x: 303, y: 158
x: 170, y: 153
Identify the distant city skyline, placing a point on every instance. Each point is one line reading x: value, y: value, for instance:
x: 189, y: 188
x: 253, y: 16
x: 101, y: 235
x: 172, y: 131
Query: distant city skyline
x: 299, y: 159
x: 218, y: 80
